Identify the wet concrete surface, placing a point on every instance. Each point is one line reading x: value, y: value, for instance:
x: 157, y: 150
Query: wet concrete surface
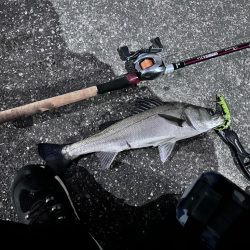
x: 49, y: 48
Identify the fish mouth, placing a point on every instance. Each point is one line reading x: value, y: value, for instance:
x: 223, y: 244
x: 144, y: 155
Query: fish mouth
x: 218, y: 119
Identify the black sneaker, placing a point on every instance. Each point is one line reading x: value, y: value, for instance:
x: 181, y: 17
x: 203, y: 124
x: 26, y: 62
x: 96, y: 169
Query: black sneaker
x: 39, y: 196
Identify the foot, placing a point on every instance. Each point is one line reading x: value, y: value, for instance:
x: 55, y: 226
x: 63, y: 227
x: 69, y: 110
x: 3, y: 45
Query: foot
x: 39, y: 196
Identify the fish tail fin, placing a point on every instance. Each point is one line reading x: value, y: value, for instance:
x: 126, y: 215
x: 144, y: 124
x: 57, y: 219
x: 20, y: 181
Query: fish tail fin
x: 52, y: 154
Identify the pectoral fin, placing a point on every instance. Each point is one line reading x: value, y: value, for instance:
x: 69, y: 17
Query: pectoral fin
x: 165, y: 150
x: 173, y: 120
x: 106, y: 158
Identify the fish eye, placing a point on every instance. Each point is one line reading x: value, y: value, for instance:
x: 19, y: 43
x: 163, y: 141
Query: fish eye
x: 210, y: 112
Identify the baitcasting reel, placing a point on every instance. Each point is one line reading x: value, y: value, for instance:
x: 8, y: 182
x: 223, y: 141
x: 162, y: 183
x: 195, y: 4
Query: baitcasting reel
x: 145, y: 62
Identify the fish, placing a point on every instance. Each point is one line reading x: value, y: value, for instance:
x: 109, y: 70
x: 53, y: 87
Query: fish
x: 154, y: 124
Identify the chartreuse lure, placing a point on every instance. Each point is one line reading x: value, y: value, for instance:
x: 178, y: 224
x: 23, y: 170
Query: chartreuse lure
x: 226, y: 113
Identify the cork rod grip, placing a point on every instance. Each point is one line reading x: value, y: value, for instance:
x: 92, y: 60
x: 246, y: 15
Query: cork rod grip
x: 47, y: 104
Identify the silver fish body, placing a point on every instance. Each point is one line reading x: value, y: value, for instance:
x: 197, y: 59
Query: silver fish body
x: 158, y: 126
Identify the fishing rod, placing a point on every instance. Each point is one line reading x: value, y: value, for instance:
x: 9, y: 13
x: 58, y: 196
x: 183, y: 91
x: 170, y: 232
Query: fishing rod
x: 141, y: 65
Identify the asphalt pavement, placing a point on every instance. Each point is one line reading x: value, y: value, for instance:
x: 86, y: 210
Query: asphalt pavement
x: 52, y: 47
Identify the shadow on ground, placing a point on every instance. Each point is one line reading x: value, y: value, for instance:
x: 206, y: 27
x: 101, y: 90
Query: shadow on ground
x: 112, y: 221
x: 35, y: 64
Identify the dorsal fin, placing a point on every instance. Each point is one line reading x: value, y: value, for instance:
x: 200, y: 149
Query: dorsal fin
x: 143, y: 104
x: 108, y: 124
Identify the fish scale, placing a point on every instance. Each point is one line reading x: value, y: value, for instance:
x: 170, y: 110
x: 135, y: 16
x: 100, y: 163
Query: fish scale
x: 132, y: 130
x: 160, y: 124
